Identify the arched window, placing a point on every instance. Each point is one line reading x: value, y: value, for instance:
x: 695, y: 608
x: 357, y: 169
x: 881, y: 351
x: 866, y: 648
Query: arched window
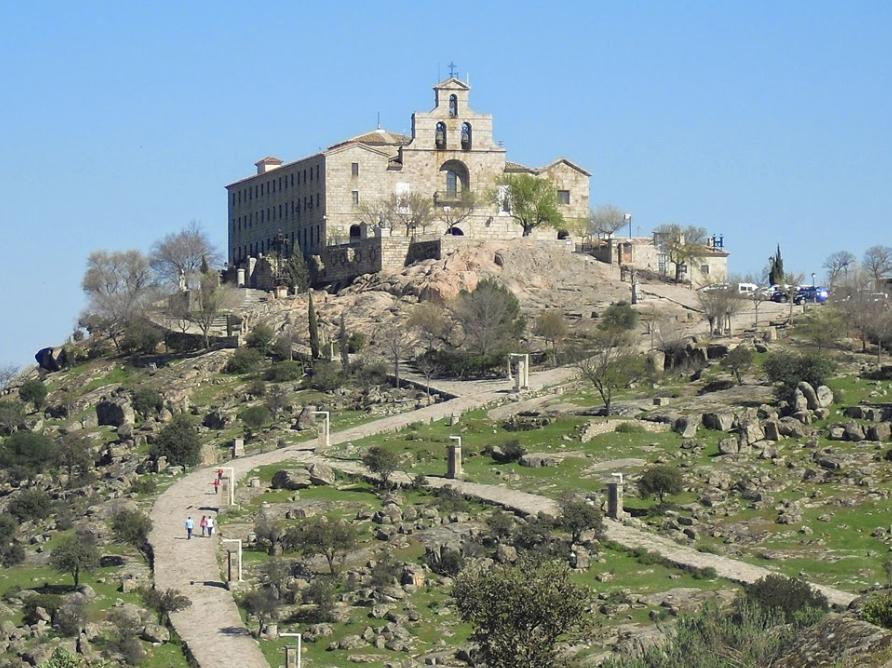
x: 466, y: 136
x: 454, y: 231
x: 457, y: 177
x: 453, y: 105
x: 355, y: 233
x: 441, y: 135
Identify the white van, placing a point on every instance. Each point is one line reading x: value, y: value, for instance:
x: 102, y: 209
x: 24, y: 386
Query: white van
x: 746, y: 289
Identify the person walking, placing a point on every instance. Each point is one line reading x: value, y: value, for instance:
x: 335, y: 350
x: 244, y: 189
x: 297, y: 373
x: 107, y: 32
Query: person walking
x: 189, y: 526
x: 210, y: 525
x: 216, y: 485
x: 203, y: 524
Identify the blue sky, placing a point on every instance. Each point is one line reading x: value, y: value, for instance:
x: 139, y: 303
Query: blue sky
x: 767, y: 122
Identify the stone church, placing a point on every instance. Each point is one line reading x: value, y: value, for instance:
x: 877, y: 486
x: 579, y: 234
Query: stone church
x: 319, y: 201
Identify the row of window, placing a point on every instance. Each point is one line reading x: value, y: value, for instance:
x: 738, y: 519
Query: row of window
x: 275, y: 213
x: 266, y: 245
x: 277, y: 184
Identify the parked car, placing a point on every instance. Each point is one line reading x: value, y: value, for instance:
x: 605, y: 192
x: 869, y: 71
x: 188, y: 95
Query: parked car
x: 812, y: 294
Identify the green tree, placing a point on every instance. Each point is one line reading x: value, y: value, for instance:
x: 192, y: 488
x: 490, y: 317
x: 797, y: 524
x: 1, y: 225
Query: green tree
x: 132, y: 526
x: 30, y: 504
x: 244, y: 360
x: 618, y: 317
x: 382, y: 462
x: 33, y: 391
x: 578, y: 516
x: 552, y: 327
x: 75, y: 555
x: 261, y: 337
x: 255, y: 418
x: 612, y: 365
x: 789, y: 369
x: 179, y: 441
x: 297, y: 275
x: 165, y: 602
x: 776, y: 268
x: 330, y: 538
x: 141, y: 337
x: 313, y: 327
x: 27, y: 453
x: 531, y: 201
x: 659, y: 481
x: 75, y: 453
x: 147, y: 401
x: 738, y: 361
x: 520, y: 612
x: 490, y: 318
x: 262, y: 604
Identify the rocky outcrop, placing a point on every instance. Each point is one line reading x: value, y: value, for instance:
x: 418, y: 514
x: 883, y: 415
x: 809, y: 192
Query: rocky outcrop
x: 115, y: 411
x: 51, y: 359
x: 293, y: 480
x: 838, y: 640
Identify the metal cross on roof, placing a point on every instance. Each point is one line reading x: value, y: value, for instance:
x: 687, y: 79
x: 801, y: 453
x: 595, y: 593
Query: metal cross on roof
x: 452, y: 70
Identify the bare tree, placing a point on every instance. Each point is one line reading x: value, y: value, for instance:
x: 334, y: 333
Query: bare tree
x: 118, y: 286
x: 854, y: 300
x: 718, y: 307
x: 490, y: 318
x: 838, y: 264
x: 457, y: 210
x: 881, y: 324
x: 878, y: 263
x: 431, y: 324
x: 375, y: 213
x: 412, y: 211
x: 212, y: 300
x: 181, y: 254
x: 681, y: 244
x: 7, y: 373
x: 397, y: 339
x: 605, y: 220
x: 613, y: 365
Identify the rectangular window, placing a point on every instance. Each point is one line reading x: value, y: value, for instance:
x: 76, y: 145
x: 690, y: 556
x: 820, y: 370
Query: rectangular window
x: 280, y: 183
x: 317, y: 200
x: 564, y: 196
x: 280, y: 211
x: 354, y: 169
x: 704, y: 269
x: 317, y: 172
x: 355, y: 198
x: 311, y: 173
x: 292, y: 185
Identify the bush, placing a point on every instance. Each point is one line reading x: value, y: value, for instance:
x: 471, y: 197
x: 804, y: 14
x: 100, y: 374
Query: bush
x: 386, y: 571
x: 512, y: 451
x: 49, y: 602
x: 255, y: 418
x: 244, y: 360
x: 26, y: 453
x: 630, y: 428
x: 326, y: 376
x: 878, y: 610
x: 257, y: 388
x: 619, y: 317
x: 144, y: 485
x: 179, y: 442
x: 450, y: 500
x: 356, y: 342
x: 261, y: 338
x: 321, y: 593
x: 131, y: 650
x: 281, y: 372
x: 141, y: 336
x: 790, y: 369
x: 30, y: 504
x: 449, y: 562
x: 369, y: 374
x: 132, y: 526
x: 33, y: 391
x: 789, y: 596
x: 11, y: 417
x: 71, y: 616
x: 457, y: 364
x: 147, y: 401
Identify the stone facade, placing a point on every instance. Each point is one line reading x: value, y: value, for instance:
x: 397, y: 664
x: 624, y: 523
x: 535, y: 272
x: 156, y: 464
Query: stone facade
x: 643, y: 253
x: 317, y: 201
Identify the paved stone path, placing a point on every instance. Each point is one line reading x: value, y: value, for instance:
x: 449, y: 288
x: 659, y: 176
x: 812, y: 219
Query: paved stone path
x: 212, y: 628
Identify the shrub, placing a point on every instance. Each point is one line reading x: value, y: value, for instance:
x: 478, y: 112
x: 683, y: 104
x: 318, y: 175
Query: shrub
x: 33, y: 391
x: 878, y: 610
x: 131, y: 650
x: 147, y: 401
x: 500, y: 524
x: 27, y: 453
x: 141, y: 336
x: 786, y: 595
x: 448, y: 562
x: 619, y: 317
x: 321, y: 593
x: 450, y: 500
x: 30, y: 504
x: 369, y: 374
x: 11, y: 417
x: 244, y: 360
x: 132, y: 526
x: 356, y: 342
x: 512, y: 451
x: 386, y: 571
x: 144, y: 485
x: 630, y: 428
x: 326, y: 376
x: 257, y: 388
x: 888, y: 456
x: 284, y: 371
x: 49, y: 602
x: 255, y: 418
x: 790, y: 369
x: 261, y: 338
x: 71, y: 616
x: 578, y: 516
x: 179, y: 442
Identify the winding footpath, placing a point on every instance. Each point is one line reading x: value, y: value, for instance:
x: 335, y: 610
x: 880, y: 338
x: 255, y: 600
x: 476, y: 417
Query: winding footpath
x: 212, y: 628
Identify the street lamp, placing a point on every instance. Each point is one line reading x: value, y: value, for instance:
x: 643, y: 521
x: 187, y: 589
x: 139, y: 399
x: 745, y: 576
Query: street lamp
x: 627, y: 217
x: 813, y: 279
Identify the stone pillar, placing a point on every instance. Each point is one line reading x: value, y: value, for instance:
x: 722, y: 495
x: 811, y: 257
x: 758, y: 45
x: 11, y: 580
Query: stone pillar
x: 231, y: 567
x: 238, y: 447
x: 518, y: 378
x: 240, y: 277
x: 453, y: 466
x: 510, y: 376
x: 290, y: 657
x: 615, y: 500
x: 526, y: 371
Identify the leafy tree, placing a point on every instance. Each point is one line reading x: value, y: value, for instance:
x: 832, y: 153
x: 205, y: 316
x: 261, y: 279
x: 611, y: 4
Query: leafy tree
x: 551, y: 326
x: 790, y: 369
x: 276, y: 574
x: 531, y: 201
x: 613, y: 364
x: 619, y: 317
x: 659, y: 481
x: 284, y: 371
x: 738, y: 361
x: 520, y: 612
x: 877, y: 609
x: 165, y: 602
x: 76, y: 555
x: 490, y: 318
x: 132, y: 526
x: 261, y: 338
x: 297, y: 275
x: 326, y: 376
x: 146, y: 401
x: 183, y: 253
x: 119, y: 286
x: 680, y: 244
x: 30, y: 504
x: 24, y: 454
x: 605, y: 220
x: 179, y: 441
x: 382, y: 462
x: 255, y: 418
x: 578, y: 516
x: 141, y: 336
x: 789, y: 596
x: 313, y: 327
x: 877, y: 263
x: 33, y: 391
x: 776, y: 272
x: 75, y: 453
x: 838, y: 264
x: 244, y: 360
x: 332, y: 539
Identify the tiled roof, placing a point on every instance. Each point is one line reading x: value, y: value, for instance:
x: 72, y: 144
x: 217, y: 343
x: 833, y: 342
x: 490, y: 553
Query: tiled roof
x: 513, y: 167
x: 378, y: 137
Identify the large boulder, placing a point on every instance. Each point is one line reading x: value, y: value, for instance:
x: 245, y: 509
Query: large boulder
x: 729, y: 446
x: 216, y: 419
x: 811, y: 397
x: 854, y: 431
x: 800, y: 401
x: 771, y: 428
x: 539, y: 460
x: 321, y: 474
x: 880, y: 432
x: 115, y: 411
x: 51, y: 359
x: 686, y: 426
x: 306, y: 419
x: 293, y: 480
x: 750, y: 431
x: 719, y: 421
x: 155, y: 633
x: 824, y: 396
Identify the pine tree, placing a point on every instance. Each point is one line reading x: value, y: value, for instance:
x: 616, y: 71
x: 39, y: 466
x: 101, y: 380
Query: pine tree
x: 776, y: 268
x: 344, y: 345
x: 314, y: 328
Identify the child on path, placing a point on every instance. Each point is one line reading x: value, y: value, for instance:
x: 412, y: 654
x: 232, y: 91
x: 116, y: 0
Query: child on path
x: 210, y: 525
x: 203, y: 524
x: 189, y: 526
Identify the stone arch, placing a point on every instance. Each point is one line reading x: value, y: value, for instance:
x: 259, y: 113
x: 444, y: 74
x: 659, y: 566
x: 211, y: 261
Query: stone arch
x: 355, y: 233
x: 455, y: 231
x: 453, y: 105
x: 467, y: 135
x: 440, y: 135
x: 457, y: 178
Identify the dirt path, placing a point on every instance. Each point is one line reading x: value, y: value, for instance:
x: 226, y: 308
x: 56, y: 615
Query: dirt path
x: 212, y: 628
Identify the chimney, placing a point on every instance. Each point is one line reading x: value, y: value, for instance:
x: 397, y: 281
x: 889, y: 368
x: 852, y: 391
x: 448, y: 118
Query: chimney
x: 267, y: 164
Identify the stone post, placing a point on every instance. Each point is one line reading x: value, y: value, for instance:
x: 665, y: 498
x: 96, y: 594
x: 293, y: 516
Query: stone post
x: 231, y: 567
x: 290, y: 657
x: 453, y: 462
x: 518, y: 378
x: 615, y: 500
x: 238, y: 447
x: 240, y: 277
